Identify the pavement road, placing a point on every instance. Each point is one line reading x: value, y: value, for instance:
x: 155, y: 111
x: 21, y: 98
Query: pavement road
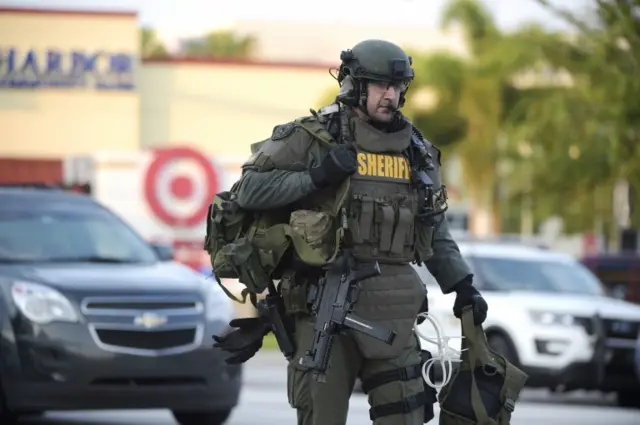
x: 264, y: 397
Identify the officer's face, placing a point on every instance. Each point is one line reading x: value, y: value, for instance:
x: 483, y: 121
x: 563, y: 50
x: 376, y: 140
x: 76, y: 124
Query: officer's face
x: 383, y: 99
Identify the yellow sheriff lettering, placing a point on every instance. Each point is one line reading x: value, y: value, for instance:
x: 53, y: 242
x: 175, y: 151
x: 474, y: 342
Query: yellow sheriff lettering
x: 381, y: 165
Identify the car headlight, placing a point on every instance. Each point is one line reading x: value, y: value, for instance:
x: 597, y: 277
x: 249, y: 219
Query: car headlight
x: 42, y: 304
x: 217, y: 305
x: 551, y: 318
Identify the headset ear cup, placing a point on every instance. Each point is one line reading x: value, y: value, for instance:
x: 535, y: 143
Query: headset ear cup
x: 349, y: 92
x: 364, y: 91
x: 403, y: 98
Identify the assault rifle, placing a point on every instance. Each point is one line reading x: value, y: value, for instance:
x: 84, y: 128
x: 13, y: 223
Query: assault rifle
x: 332, y: 301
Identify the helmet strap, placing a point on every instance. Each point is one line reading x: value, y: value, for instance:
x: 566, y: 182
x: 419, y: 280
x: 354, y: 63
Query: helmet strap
x: 364, y: 93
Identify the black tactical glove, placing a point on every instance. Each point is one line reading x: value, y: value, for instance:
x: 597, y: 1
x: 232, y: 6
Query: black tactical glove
x: 340, y: 163
x: 424, y: 308
x: 467, y: 295
x: 243, y: 342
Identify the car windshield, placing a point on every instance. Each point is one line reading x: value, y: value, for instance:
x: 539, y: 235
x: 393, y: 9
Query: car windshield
x: 77, y: 234
x: 510, y: 274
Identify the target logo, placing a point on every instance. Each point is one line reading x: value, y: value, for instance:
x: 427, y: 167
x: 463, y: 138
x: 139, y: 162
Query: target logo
x: 179, y: 186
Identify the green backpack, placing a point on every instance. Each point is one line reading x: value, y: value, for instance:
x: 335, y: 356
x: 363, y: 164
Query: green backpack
x: 249, y: 246
x: 485, y: 387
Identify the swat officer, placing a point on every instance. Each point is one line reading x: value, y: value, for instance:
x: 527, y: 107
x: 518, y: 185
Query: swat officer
x: 390, y: 219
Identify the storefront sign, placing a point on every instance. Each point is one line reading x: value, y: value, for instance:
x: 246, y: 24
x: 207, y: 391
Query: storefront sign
x: 66, y: 69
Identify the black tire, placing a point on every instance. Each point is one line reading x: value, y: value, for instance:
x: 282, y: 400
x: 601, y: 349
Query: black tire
x: 629, y: 398
x: 6, y: 416
x: 217, y: 417
x: 502, y: 345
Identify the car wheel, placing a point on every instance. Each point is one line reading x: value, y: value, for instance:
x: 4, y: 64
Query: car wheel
x: 502, y: 345
x: 628, y: 398
x: 6, y: 416
x: 217, y: 417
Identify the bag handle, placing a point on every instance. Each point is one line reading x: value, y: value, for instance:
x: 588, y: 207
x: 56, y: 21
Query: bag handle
x: 476, y: 354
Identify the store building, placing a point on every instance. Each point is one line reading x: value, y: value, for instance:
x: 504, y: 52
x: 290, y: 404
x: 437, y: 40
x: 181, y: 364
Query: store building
x: 67, y: 82
x: 71, y: 83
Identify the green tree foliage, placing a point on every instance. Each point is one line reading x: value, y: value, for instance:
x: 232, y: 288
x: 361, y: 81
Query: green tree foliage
x: 600, y: 114
x: 221, y: 44
x: 150, y: 45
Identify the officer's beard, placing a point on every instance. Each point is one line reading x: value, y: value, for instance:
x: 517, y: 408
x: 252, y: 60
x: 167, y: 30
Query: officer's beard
x: 396, y: 123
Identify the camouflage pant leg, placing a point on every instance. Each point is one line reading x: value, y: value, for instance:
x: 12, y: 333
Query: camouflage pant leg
x: 322, y: 403
x: 396, y: 391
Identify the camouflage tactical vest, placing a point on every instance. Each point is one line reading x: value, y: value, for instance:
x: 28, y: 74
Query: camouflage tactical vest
x: 383, y: 201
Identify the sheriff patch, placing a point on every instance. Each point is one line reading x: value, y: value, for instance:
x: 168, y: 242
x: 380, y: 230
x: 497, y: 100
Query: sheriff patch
x: 386, y: 166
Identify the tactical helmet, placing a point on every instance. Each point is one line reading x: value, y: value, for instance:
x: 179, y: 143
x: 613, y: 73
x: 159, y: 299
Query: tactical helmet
x: 377, y: 60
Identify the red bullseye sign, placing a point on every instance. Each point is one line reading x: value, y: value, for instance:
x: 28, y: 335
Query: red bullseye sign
x: 166, y: 189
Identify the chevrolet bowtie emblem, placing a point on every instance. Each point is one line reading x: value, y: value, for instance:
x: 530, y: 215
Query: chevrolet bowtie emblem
x: 150, y: 320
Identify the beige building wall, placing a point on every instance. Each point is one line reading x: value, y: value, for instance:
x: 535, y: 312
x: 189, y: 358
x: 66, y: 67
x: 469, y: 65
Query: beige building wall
x: 55, y: 122
x: 221, y: 107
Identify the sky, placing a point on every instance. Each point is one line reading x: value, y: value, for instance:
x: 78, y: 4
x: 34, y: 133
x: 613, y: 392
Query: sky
x: 183, y: 18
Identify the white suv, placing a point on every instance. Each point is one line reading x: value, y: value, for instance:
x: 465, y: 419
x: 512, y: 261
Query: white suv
x: 549, y: 315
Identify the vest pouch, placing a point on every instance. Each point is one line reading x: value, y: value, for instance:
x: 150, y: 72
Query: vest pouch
x: 402, y: 241
x: 293, y: 288
x: 225, y: 222
x: 243, y: 258
x: 385, y: 223
x: 316, y: 229
x: 485, y: 386
x: 364, y: 207
x: 221, y: 266
x: 424, y: 240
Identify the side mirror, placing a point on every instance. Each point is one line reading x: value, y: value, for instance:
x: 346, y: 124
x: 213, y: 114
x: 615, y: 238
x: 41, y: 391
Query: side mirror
x: 163, y: 251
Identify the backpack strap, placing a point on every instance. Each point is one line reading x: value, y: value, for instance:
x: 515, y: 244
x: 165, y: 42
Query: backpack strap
x: 252, y: 296
x: 317, y: 130
x: 476, y: 354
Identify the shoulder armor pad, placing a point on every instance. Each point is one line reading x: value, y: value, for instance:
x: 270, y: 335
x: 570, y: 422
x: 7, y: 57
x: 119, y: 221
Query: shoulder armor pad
x: 316, y: 129
x: 283, y: 130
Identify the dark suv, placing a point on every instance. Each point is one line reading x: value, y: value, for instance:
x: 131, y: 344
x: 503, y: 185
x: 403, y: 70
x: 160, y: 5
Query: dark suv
x: 93, y: 317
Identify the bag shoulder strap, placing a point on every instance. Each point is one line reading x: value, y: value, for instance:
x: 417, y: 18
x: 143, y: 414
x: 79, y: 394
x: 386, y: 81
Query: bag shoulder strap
x: 479, y: 353
x: 316, y: 129
x: 514, y: 381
